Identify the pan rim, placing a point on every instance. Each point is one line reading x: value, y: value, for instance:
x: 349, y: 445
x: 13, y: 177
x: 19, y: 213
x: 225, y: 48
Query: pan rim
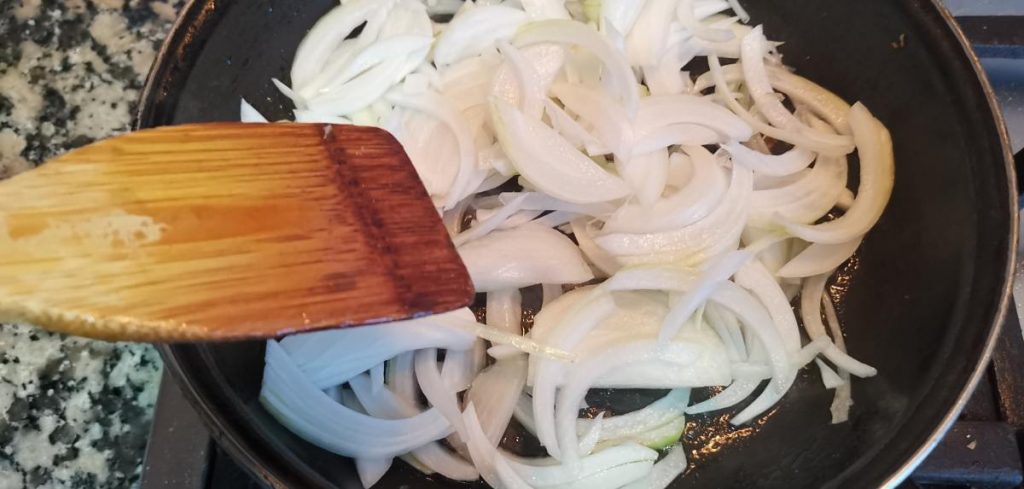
x: 968, y: 389
x: 229, y: 437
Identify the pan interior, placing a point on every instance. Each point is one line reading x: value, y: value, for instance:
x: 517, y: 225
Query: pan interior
x: 918, y: 301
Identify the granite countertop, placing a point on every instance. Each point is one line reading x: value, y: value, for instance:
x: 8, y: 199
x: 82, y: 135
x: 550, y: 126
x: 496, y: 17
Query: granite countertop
x: 73, y: 412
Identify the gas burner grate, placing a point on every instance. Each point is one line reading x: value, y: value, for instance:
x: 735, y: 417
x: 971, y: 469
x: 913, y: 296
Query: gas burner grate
x: 983, y: 449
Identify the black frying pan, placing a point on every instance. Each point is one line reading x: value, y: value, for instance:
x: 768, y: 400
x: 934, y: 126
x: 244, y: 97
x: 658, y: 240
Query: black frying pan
x: 927, y: 289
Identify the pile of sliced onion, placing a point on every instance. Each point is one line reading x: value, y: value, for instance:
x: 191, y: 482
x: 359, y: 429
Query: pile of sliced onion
x: 564, y: 141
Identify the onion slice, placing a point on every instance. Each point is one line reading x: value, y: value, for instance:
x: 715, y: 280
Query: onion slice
x: 548, y: 161
x: 877, y: 176
x: 523, y: 256
x: 299, y: 405
x: 474, y: 30
x: 810, y: 310
x: 819, y: 258
x: 575, y: 33
x: 327, y: 34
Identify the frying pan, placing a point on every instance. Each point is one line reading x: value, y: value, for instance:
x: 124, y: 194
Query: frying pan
x: 921, y: 300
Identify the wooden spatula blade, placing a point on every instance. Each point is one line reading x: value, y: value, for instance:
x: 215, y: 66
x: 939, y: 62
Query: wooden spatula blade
x: 225, y: 231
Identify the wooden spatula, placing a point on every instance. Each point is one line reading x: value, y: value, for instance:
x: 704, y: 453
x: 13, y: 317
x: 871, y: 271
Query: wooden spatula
x: 224, y: 231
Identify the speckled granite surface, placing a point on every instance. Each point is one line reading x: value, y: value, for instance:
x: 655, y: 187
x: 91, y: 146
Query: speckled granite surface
x: 73, y: 413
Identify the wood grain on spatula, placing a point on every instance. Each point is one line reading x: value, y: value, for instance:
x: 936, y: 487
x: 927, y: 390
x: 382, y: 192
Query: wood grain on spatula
x: 224, y: 231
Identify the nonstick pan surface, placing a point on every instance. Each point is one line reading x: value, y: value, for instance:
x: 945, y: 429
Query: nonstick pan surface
x: 920, y: 301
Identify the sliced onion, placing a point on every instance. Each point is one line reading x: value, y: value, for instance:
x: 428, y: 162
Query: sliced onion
x: 621, y: 14
x: 474, y: 30
x: 566, y: 334
x: 568, y: 32
x: 687, y: 16
x: 820, y: 258
x: 366, y: 88
x: 439, y: 108
x: 665, y: 471
x: 819, y: 100
x: 845, y: 201
x: 468, y: 83
x: 505, y: 310
x: 551, y: 292
x: 694, y: 244
x: 333, y: 356
x: 609, y: 119
x: 647, y: 41
x: 518, y: 342
x: 494, y: 394
x: 545, y: 9
x: 371, y: 470
x: 385, y: 404
x: 515, y: 220
x: 524, y: 78
x: 415, y: 47
x: 408, y: 17
x: 725, y: 28
x: 667, y: 77
x: 298, y: 100
x: 720, y: 271
x: 583, y: 375
x: 810, y: 311
x: 548, y: 161
x: 572, y: 131
x: 675, y: 135
x: 791, y: 162
x: 829, y: 377
x: 710, y: 365
x: 248, y: 113
x: 401, y: 378
x: 794, y: 137
x: 327, y: 34
x: 806, y: 200
x: 663, y: 110
x: 757, y: 279
x: 481, y: 451
x: 338, y: 59
x: 437, y: 393
x: 540, y: 202
x: 877, y: 174
x: 523, y: 256
x: 601, y: 260
x: 517, y: 89
x: 758, y: 321
x: 494, y: 221
x: 647, y: 174
x: 459, y: 369
x: 509, y: 478
x: 738, y: 391
x: 557, y: 219
x: 592, y: 435
x: 658, y: 413
x: 725, y: 324
x: 686, y: 206
x: 301, y: 406
x: 316, y: 117
x: 842, y: 400
x: 756, y: 78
